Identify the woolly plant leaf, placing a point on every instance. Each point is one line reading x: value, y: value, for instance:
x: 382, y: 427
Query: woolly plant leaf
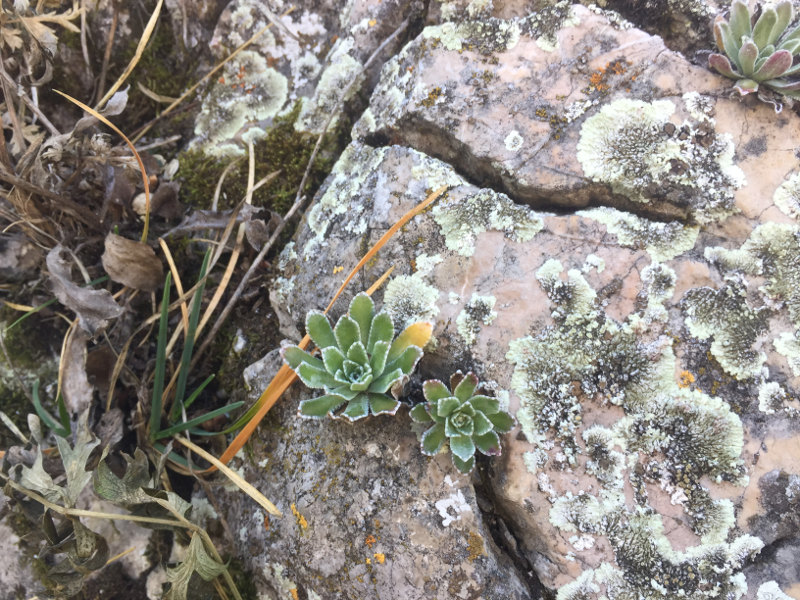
x: 321, y: 406
x: 380, y: 404
x: 419, y: 414
x: 740, y: 23
x: 502, y: 421
x: 465, y: 466
x: 347, y: 333
x: 382, y: 330
x: 488, y: 443
x: 462, y: 446
x: 362, y: 309
x: 319, y: 330
x: 434, y: 390
x: 126, y: 491
x: 762, y: 32
x: 197, y: 560
x: 357, y: 408
x: 294, y: 357
x: 464, y: 390
x: 433, y: 439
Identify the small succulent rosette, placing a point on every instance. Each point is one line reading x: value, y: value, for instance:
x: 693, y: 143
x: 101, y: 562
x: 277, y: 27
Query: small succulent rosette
x: 759, y: 51
x: 465, y: 420
x: 362, y: 364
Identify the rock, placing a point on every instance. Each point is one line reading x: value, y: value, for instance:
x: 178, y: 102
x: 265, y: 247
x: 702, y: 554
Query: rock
x: 365, y: 515
x: 617, y: 252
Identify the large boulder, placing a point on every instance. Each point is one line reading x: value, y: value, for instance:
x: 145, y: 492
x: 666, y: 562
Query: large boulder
x: 617, y: 255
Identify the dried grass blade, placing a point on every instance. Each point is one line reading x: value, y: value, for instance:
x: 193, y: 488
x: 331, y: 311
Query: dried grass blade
x: 148, y: 31
x: 177, y: 278
x: 235, y: 478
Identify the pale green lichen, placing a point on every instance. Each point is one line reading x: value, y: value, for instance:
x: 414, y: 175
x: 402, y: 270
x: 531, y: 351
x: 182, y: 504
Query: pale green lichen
x: 409, y: 299
x: 487, y: 36
x: 771, y: 591
x: 336, y: 79
x: 670, y: 436
x: 788, y: 345
x: 787, y: 196
x: 771, y: 251
x: 248, y: 92
x: 662, y: 241
x: 633, y: 147
x: 659, y: 285
x: 479, y: 311
x: 771, y: 397
x: 356, y: 165
x: 513, y: 141
x: 461, y: 220
x: 724, y: 316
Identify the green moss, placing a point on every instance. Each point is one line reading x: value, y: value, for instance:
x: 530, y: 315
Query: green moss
x: 283, y: 149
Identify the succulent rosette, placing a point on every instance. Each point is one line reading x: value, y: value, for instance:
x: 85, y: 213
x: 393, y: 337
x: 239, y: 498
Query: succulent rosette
x: 465, y: 420
x: 361, y: 365
x: 759, y: 51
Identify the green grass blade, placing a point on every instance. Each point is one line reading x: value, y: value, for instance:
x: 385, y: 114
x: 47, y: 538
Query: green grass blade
x: 197, y: 420
x: 195, y: 394
x: 161, y: 360
x: 188, y: 346
x: 45, y: 416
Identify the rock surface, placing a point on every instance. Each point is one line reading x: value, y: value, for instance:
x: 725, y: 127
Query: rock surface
x: 617, y: 251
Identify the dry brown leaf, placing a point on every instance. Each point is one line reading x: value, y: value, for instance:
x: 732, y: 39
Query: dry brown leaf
x: 75, y: 386
x: 93, y: 307
x: 132, y: 263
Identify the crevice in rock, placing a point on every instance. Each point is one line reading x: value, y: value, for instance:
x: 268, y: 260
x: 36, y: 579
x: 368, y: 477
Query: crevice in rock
x: 504, y: 536
x: 577, y: 193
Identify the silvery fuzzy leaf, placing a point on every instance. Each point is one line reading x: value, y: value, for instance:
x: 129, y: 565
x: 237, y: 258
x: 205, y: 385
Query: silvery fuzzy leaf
x: 74, y: 459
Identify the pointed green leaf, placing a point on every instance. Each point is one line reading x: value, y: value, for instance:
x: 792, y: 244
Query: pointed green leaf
x: 462, y: 446
x: 434, y: 390
x: 792, y: 34
x: 406, y: 361
x: 332, y: 358
x: 792, y: 46
x: 465, y: 466
x: 466, y: 388
x: 723, y: 32
x: 381, y: 404
x: 294, y: 357
x: 419, y: 413
x: 762, y: 32
x: 416, y: 334
x: 740, y: 23
x: 357, y: 408
x: 785, y: 15
x: 485, y: 404
x: 347, y: 333
x: 345, y: 392
x: 488, y: 443
x: 433, y: 439
x: 314, y: 377
x: 321, y: 406
x: 748, y: 54
x: 723, y: 66
x: 385, y: 381
x: 502, y: 421
x: 444, y: 406
x: 362, y: 309
x: 382, y: 330
x: 481, y: 423
x: 319, y: 329
x: 380, y: 350
x: 775, y: 66
x: 358, y: 354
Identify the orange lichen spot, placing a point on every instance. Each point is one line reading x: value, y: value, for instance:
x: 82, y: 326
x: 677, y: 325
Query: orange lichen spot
x: 337, y: 269
x: 380, y: 557
x: 266, y: 522
x: 221, y: 80
x: 301, y: 520
x: 410, y: 69
x: 432, y: 98
x: 475, y: 546
x: 368, y: 561
x: 597, y: 81
x: 371, y: 22
x: 370, y: 540
x: 541, y: 113
x: 686, y: 379
x: 295, y: 595
x: 618, y: 68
